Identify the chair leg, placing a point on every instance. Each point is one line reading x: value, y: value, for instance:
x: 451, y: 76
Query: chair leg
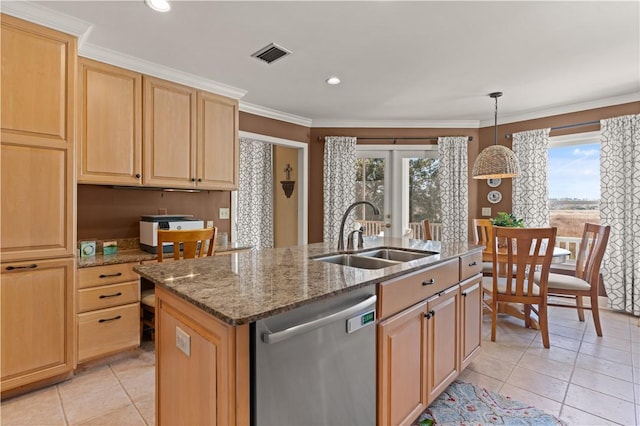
x: 595, y: 311
x: 527, y: 316
x: 544, y: 324
x: 579, y: 306
x: 494, y: 318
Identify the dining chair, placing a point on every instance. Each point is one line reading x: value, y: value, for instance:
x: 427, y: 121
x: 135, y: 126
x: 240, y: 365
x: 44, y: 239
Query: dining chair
x: 585, y: 279
x: 426, y: 230
x: 483, y: 233
x: 528, y: 250
x: 187, y: 244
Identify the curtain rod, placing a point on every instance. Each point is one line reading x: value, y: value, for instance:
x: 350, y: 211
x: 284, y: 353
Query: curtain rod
x: 566, y: 126
x: 430, y: 138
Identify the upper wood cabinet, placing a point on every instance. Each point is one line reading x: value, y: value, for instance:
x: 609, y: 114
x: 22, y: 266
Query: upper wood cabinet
x: 38, y: 83
x: 218, y: 151
x: 169, y: 134
x: 109, y: 124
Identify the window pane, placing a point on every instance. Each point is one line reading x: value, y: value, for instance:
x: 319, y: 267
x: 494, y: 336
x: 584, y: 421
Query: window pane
x: 574, y: 188
x: 424, y: 190
x: 370, y: 187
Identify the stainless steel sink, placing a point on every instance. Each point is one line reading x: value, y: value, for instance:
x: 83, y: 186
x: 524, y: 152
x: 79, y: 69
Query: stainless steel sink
x: 356, y: 261
x: 396, y: 255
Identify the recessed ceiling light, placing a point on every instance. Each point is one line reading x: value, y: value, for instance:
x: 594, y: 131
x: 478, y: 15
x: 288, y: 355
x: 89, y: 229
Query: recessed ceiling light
x: 158, y: 5
x: 333, y: 80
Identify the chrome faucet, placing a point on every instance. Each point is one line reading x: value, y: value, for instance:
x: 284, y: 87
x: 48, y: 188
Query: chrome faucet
x: 376, y: 211
x: 360, y: 239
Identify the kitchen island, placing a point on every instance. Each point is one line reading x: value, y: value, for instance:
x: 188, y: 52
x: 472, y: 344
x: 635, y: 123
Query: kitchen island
x: 205, y: 308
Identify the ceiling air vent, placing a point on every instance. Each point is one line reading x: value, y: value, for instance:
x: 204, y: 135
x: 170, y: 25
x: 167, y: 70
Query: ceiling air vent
x: 271, y: 53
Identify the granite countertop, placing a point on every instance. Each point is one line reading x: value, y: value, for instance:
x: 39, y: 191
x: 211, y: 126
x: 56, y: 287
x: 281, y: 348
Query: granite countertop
x: 248, y: 286
x: 137, y: 255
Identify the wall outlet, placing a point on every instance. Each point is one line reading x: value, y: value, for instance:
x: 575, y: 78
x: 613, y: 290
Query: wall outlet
x: 183, y: 341
x: 209, y: 224
x: 224, y: 213
x: 486, y: 211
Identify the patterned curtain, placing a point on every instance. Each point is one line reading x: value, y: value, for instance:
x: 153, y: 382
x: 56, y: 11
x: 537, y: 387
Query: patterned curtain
x: 530, y: 189
x: 339, y: 183
x: 255, y: 194
x: 454, y: 191
x: 620, y: 208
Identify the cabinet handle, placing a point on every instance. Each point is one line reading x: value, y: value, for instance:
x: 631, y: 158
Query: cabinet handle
x: 430, y: 282
x: 138, y: 175
x: 110, y: 319
x: 117, y: 274
x: 12, y: 268
x: 199, y: 179
x: 193, y: 179
x: 474, y: 263
x: 104, y: 296
x: 430, y: 314
x: 464, y: 294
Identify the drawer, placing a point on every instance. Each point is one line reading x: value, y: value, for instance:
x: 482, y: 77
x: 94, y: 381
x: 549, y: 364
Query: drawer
x: 470, y: 265
x: 107, y: 296
x: 108, y: 331
x: 107, y: 274
x: 397, y: 294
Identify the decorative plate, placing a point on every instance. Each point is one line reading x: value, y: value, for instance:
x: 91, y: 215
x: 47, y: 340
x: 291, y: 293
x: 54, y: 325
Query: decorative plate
x: 493, y: 183
x: 494, y: 197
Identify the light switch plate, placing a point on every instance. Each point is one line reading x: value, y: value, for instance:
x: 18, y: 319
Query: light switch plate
x: 183, y: 341
x: 486, y: 211
x: 224, y: 213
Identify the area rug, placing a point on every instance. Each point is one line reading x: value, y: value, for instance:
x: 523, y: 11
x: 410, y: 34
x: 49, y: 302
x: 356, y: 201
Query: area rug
x: 466, y: 404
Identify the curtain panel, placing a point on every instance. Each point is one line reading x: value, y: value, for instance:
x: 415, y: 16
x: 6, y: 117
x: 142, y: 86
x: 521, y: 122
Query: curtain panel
x: 255, y: 194
x: 620, y: 208
x: 339, y: 183
x: 530, y: 189
x: 454, y: 189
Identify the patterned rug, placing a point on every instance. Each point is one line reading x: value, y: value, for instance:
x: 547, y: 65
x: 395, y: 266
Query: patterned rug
x: 466, y: 404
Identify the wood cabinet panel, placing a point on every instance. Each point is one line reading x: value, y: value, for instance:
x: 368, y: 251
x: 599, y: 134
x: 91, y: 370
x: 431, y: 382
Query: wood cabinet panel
x: 402, y: 392
x: 107, y: 296
x: 108, y: 331
x: 471, y: 319
x: 218, y: 145
x: 36, y: 300
x: 470, y: 265
x: 38, y: 83
x: 169, y: 134
x: 37, y: 202
x: 443, y: 322
x: 109, y: 124
x: 106, y: 274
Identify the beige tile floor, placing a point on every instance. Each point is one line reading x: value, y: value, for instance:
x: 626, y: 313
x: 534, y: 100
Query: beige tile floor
x: 583, y: 379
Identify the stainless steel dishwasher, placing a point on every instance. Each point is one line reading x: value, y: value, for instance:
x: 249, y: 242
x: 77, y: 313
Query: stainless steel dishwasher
x: 316, y: 365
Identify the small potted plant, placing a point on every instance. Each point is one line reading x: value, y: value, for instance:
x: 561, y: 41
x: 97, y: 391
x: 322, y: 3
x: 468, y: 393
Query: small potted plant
x: 508, y: 220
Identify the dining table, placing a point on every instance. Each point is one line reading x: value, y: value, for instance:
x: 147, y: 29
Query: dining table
x: 516, y: 310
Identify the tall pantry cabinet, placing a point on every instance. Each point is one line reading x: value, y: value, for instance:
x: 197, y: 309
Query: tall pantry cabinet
x: 37, y: 239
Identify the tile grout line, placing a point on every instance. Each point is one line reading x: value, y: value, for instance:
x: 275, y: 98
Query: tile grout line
x: 124, y: 389
x: 573, y: 370
x: 64, y: 412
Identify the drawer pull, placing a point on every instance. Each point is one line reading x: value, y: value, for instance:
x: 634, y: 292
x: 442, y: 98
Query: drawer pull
x: 104, y: 296
x: 464, y: 294
x: 117, y: 274
x: 430, y: 314
x: 13, y: 268
x: 430, y: 282
x: 110, y: 319
x: 474, y: 263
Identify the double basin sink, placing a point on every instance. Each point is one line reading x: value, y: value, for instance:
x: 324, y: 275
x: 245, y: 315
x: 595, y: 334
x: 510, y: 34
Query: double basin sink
x: 375, y: 259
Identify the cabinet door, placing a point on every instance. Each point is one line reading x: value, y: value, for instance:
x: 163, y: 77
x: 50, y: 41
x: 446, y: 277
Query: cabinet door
x: 218, y: 151
x: 37, y: 202
x: 402, y: 392
x: 37, y: 83
x: 471, y: 319
x: 169, y: 134
x: 37, y: 321
x: 443, y: 363
x: 109, y: 124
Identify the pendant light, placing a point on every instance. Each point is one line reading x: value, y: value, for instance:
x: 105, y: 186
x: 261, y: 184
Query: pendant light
x: 496, y: 161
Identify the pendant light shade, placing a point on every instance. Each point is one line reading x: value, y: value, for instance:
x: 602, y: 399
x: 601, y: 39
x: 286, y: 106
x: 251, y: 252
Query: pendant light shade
x: 496, y: 161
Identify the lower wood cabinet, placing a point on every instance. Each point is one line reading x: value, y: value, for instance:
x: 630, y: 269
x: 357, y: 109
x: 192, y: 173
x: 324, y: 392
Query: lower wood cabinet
x: 471, y: 319
x: 36, y: 299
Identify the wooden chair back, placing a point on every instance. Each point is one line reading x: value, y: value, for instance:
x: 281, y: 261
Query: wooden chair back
x: 192, y: 241
x: 483, y: 232
x: 592, y: 248
x: 426, y: 230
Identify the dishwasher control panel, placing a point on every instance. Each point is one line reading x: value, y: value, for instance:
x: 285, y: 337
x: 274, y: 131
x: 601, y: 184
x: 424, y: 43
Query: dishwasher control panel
x: 361, y: 320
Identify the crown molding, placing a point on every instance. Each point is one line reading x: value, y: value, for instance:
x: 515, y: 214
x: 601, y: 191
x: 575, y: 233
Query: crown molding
x: 399, y: 124
x: 112, y: 57
x: 275, y: 114
x: 49, y: 18
x: 583, y: 106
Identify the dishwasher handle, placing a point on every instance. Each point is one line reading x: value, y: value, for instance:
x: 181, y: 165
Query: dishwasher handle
x: 305, y: 327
